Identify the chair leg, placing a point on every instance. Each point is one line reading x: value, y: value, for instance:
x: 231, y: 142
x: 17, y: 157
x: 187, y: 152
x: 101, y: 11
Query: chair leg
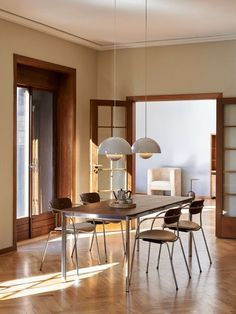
x: 76, y: 251
x: 172, y: 266
x: 73, y: 251
x: 182, y: 248
x: 132, y: 261
x: 206, y: 246
x: 96, y: 239
x: 149, y: 249
x: 104, y: 239
x: 45, y: 251
x: 159, y: 256
x: 122, y: 234
x: 172, y: 249
x: 195, y: 246
x: 91, y: 245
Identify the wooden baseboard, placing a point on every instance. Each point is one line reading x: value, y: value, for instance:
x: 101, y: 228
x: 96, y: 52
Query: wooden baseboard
x: 8, y: 249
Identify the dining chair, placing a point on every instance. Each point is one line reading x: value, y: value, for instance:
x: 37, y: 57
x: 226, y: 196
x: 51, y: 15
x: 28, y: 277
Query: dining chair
x: 74, y: 228
x: 93, y: 197
x: 195, y: 208
x: 160, y: 236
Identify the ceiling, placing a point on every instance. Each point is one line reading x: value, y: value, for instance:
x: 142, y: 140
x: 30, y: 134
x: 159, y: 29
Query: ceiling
x: 91, y: 22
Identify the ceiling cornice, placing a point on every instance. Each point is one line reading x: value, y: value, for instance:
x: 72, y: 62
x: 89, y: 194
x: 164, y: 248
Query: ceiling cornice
x: 15, y: 18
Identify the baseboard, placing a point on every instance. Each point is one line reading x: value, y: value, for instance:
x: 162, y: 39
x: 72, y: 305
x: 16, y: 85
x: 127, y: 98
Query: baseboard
x: 8, y: 249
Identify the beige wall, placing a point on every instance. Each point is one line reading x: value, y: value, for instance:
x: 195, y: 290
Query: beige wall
x: 195, y: 68
x: 21, y: 40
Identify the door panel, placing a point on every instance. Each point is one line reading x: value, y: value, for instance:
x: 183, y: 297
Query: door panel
x: 226, y: 168
x: 108, y: 120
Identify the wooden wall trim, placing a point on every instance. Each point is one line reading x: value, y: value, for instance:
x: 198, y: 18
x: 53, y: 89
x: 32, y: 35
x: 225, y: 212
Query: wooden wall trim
x: 199, y: 96
x: 8, y: 249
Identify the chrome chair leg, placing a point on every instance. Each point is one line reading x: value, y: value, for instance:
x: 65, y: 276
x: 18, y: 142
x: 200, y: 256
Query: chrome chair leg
x: 122, y: 234
x: 132, y: 261
x: 182, y: 248
x: 149, y: 249
x: 159, y: 256
x: 45, y: 251
x: 206, y: 246
x: 172, y: 266
x: 76, y: 251
x: 172, y: 249
x: 91, y: 245
x: 96, y: 239
x: 73, y: 251
x: 104, y: 239
x: 195, y: 246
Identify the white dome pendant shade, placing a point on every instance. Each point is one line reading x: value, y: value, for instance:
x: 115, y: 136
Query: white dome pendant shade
x: 114, y: 148
x: 145, y: 147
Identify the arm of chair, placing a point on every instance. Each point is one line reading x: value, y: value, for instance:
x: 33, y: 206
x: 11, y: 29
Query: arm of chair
x: 175, y: 181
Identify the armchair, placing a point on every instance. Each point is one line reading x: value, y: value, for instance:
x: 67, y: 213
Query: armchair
x: 164, y: 179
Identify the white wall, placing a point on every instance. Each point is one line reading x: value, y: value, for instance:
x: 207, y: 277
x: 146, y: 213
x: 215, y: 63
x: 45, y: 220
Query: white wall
x: 182, y: 128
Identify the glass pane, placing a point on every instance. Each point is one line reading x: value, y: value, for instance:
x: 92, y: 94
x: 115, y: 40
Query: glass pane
x: 119, y: 116
x: 230, y: 182
x: 22, y: 152
x: 42, y: 151
x: 104, y: 116
x: 119, y: 180
x: 230, y: 205
x: 230, y: 114
x: 104, y: 180
x: 104, y: 161
x: 121, y: 163
x: 230, y: 160
x: 120, y: 132
x: 106, y: 195
x: 230, y: 137
x: 103, y: 133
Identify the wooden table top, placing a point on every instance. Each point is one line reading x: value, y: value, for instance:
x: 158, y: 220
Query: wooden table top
x: 145, y: 204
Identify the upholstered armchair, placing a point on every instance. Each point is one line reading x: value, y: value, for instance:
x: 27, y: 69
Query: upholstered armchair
x: 164, y: 179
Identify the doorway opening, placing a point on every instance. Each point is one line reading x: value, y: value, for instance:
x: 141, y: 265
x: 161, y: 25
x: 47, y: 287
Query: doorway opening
x: 184, y: 130
x: 44, y: 150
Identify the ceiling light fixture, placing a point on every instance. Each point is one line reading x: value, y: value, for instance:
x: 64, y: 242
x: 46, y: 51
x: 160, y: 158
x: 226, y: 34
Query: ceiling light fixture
x: 114, y: 147
x: 145, y: 147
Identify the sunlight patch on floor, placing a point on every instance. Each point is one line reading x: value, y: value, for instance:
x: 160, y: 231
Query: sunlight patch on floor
x: 47, y: 283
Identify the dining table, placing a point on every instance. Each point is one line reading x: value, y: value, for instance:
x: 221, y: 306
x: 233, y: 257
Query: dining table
x: 145, y: 205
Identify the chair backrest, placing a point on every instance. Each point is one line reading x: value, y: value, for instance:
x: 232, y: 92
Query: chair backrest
x: 196, y: 207
x: 60, y: 203
x: 172, y: 215
x: 91, y: 197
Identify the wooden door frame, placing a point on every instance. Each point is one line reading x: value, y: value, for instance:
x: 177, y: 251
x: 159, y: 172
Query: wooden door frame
x: 174, y: 97
x: 67, y: 99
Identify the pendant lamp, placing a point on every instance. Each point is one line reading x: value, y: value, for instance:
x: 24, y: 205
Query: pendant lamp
x: 145, y: 147
x: 114, y: 147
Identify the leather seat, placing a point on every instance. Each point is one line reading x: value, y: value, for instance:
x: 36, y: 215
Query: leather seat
x: 157, y: 236
x: 185, y: 226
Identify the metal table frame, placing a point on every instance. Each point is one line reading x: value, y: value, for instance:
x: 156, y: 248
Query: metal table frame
x: 145, y: 205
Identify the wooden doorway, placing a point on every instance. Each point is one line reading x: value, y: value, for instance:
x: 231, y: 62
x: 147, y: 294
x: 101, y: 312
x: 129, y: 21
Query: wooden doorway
x: 109, y: 118
x: 50, y: 164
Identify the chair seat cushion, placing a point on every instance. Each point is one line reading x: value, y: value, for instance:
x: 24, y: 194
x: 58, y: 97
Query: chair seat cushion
x: 185, y: 225
x: 160, y: 185
x: 157, y: 236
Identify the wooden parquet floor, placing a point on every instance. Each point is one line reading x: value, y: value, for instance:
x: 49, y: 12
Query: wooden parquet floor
x: 100, y: 288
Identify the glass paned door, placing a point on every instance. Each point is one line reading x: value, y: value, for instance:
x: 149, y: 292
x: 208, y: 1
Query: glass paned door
x: 42, y: 174
x: 35, y: 161
x: 226, y: 168
x: 22, y: 143
x: 109, y: 120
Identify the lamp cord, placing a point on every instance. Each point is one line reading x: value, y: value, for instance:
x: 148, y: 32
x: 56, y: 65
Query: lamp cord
x: 145, y: 56
x: 114, y: 62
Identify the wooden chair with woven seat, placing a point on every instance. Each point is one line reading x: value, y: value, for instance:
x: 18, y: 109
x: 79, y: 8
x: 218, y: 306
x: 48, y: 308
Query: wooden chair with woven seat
x: 73, y: 228
x: 195, y: 208
x: 93, y: 197
x: 160, y: 236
